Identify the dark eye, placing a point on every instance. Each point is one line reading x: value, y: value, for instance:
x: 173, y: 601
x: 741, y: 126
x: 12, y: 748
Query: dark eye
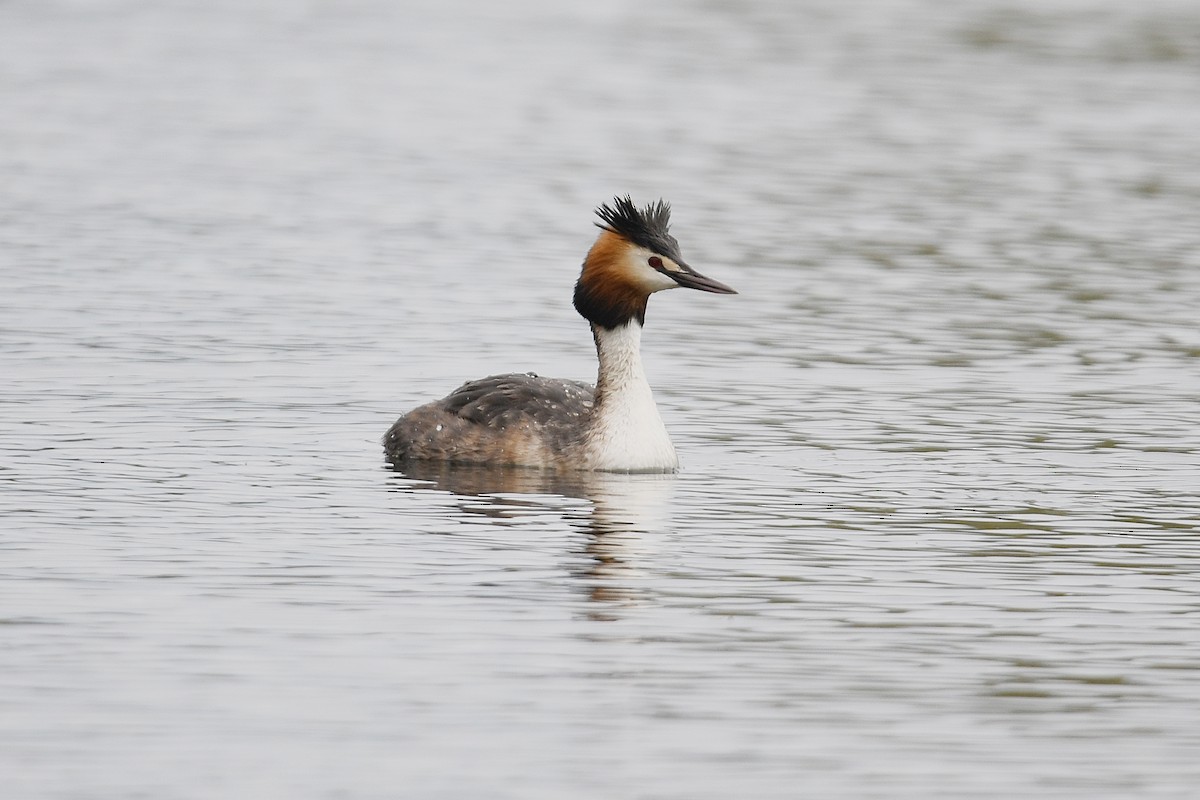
x: 656, y: 262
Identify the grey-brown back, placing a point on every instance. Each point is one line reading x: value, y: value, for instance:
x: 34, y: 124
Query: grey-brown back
x: 517, y: 418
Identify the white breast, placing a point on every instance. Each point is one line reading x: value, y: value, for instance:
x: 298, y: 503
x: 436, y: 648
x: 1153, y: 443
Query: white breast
x: 626, y: 432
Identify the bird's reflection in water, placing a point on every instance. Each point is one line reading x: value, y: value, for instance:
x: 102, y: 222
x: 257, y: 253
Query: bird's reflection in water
x: 622, y: 518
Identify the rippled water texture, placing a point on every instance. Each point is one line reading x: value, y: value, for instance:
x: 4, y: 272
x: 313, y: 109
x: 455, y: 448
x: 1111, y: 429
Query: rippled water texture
x: 936, y: 531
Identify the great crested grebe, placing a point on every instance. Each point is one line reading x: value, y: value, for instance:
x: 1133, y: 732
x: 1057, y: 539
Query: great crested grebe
x: 524, y: 420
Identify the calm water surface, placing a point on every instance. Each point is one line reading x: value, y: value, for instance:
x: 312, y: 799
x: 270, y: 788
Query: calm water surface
x: 936, y: 533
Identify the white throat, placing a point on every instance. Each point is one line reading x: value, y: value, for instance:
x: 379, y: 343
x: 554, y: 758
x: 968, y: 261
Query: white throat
x: 626, y: 433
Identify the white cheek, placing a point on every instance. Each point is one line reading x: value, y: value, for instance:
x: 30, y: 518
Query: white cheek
x: 660, y: 282
x: 648, y: 277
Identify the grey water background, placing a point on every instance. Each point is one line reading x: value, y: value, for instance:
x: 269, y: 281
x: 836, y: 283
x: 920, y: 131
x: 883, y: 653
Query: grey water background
x: 936, y: 529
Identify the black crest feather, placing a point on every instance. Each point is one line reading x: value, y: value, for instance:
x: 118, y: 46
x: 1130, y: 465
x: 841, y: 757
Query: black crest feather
x: 647, y: 227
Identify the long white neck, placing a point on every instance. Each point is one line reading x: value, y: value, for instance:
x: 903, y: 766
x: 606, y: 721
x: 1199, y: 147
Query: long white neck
x: 626, y: 433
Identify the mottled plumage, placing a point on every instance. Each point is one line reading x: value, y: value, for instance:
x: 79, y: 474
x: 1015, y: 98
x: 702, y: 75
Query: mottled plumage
x: 502, y: 420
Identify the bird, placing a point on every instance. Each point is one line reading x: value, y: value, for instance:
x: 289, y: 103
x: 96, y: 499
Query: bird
x: 523, y: 420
